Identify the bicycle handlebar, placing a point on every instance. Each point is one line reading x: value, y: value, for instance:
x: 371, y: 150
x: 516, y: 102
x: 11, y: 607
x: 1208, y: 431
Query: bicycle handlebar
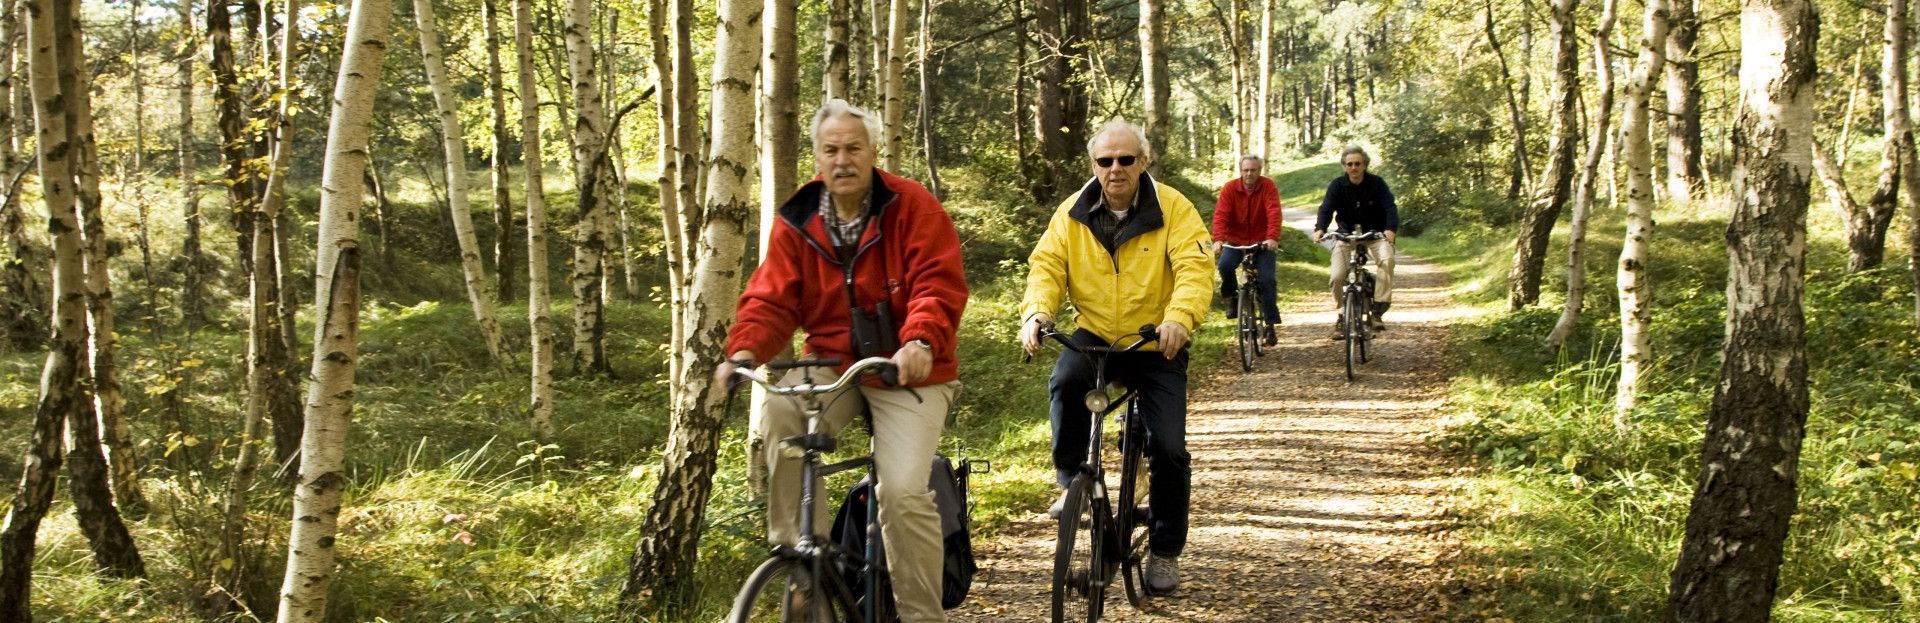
x: 878, y: 365
x: 1147, y: 333
x: 1244, y: 248
x: 1372, y: 235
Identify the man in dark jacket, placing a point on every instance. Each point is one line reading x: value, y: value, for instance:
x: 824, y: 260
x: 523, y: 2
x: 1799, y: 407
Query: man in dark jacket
x: 1246, y: 214
x: 1361, y: 202
x: 880, y: 242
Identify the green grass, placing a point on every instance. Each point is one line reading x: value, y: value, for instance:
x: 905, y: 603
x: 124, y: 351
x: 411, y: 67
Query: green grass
x: 1568, y: 520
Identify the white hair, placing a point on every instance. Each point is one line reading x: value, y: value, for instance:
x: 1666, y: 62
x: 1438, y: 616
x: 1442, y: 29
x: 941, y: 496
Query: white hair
x: 1262, y: 161
x: 1356, y: 149
x: 836, y: 108
x: 1116, y: 125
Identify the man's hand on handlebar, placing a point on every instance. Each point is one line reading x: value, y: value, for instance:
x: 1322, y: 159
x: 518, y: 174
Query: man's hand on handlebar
x: 1270, y: 244
x: 1030, y: 333
x: 1390, y: 236
x: 723, y: 374
x: 1173, y: 336
x: 914, y: 363
x: 1319, y: 234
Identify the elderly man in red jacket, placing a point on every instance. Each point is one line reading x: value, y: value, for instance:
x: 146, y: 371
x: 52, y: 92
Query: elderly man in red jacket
x: 860, y: 236
x: 1248, y: 214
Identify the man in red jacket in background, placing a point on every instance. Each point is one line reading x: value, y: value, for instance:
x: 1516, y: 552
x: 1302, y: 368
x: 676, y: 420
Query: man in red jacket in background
x: 860, y: 236
x: 1247, y: 214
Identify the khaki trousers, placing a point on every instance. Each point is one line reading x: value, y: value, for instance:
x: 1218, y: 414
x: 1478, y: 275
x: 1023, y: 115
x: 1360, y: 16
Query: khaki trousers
x: 906, y: 434
x: 1379, y: 255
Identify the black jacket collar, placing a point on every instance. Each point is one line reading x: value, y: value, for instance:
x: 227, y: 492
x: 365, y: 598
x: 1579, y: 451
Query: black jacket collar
x: 804, y: 205
x: 1144, y: 217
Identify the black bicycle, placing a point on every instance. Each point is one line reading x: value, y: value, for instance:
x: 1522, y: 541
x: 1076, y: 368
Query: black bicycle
x: 803, y: 582
x: 1114, y: 538
x: 1356, y: 298
x: 1246, y: 304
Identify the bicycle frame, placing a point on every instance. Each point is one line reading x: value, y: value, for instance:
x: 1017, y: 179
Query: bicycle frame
x: 819, y: 557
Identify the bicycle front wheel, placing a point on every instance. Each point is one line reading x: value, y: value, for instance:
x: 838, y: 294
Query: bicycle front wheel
x: 783, y: 590
x: 1130, y: 522
x: 1248, y: 330
x: 1355, y: 316
x: 1078, y: 585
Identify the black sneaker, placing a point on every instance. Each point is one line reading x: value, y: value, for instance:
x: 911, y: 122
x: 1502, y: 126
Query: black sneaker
x: 1270, y: 338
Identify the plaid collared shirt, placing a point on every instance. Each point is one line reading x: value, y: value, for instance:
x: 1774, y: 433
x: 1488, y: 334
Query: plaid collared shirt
x: 844, y: 234
x: 1106, y: 225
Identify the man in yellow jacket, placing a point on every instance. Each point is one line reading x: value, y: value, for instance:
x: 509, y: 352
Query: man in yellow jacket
x: 1128, y: 252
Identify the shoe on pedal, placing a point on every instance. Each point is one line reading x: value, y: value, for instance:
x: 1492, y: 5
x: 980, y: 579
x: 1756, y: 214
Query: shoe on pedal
x: 1059, y: 505
x: 1163, y: 573
x: 1271, y: 337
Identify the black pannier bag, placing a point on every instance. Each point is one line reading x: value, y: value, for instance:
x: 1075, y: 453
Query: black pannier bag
x: 949, y: 485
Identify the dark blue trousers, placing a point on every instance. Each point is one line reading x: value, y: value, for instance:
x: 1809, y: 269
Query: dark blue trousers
x: 1230, y: 277
x: 1162, y: 384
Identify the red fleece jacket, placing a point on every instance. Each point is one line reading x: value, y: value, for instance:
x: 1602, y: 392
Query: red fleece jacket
x: 1242, y: 218
x: 909, y: 254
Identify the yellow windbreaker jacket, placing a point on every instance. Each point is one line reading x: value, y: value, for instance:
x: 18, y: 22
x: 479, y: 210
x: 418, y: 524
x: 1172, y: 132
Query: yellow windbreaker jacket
x: 1160, y: 269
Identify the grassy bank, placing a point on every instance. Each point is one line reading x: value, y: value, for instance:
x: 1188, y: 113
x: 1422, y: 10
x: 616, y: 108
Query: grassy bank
x: 1570, y: 519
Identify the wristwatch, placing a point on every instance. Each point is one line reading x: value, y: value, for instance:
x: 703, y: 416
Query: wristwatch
x: 922, y: 343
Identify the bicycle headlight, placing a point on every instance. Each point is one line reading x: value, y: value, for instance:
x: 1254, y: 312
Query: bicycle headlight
x: 1097, y: 401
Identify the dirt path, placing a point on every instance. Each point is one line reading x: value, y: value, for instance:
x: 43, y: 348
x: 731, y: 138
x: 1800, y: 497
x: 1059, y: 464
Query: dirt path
x: 1314, y: 500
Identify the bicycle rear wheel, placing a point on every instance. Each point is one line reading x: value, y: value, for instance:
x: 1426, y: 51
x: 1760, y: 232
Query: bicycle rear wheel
x: 783, y: 590
x: 1079, y: 588
x: 1130, y: 523
x: 1248, y: 330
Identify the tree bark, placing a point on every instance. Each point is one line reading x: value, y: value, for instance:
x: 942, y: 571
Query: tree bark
x: 686, y: 139
x: 1684, y: 178
x: 661, y: 569
x: 1061, y: 95
x: 1156, y: 85
x: 1634, y: 281
x: 270, y: 311
x: 336, y: 336
x: 1519, y: 173
x: 1263, y: 121
x: 593, y: 178
x: 1744, y: 497
x: 502, y: 178
x: 666, y: 107
x: 1021, y: 114
x: 834, y: 80
x: 539, y: 301
x: 1867, y: 230
x: 242, y: 190
x: 1589, y: 173
x: 779, y: 108
x: 193, y: 294
x: 479, y: 292
x: 929, y: 67
x: 23, y: 302
x: 1536, y: 226
x: 893, y: 80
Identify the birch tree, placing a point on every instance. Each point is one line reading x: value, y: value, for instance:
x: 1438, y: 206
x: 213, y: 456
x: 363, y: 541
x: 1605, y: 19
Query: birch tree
x: 1867, y: 229
x: 336, y: 336
x: 594, y: 181
x: 893, y: 82
x: 1536, y: 226
x: 479, y: 292
x: 501, y: 174
x: 1515, y: 111
x: 1155, y: 84
x: 1684, y: 177
x: 1589, y: 172
x: 1745, y: 495
x: 1263, y: 115
x: 22, y: 300
x: 192, y: 291
x: 834, y: 81
x: 539, y: 301
x: 660, y: 571
x: 1634, y: 283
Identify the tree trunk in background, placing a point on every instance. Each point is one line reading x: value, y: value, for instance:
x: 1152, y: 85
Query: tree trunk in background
x: 1634, y: 280
x: 860, y: 40
x: 502, y: 178
x: 1744, y: 497
x: 1262, y: 109
x: 23, y: 303
x: 336, y: 335
x: 1867, y: 231
x: 1156, y: 86
x: 929, y: 101
x: 1583, y: 191
x: 779, y: 158
x: 234, y: 140
x: 1236, y: 47
x: 834, y: 80
x: 666, y: 106
x: 193, y: 294
x: 661, y: 574
x: 1518, y: 180
x: 894, y: 80
x: 63, y: 389
x: 1536, y: 227
x: 686, y: 140
x: 1684, y: 178
x: 539, y: 297
x: 1061, y: 102
x: 479, y: 292
x: 1021, y: 115
x: 593, y: 179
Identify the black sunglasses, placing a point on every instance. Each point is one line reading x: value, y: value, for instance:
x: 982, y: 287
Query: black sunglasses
x: 1125, y: 161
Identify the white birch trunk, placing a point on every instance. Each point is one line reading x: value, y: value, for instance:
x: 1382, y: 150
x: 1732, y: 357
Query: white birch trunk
x: 662, y: 570
x: 893, y: 80
x: 1583, y: 193
x: 1263, y: 121
x: 1635, y: 284
x: 539, y: 296
x: 479, y: 292
x: 336, y: 335
x: 593, y: 173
